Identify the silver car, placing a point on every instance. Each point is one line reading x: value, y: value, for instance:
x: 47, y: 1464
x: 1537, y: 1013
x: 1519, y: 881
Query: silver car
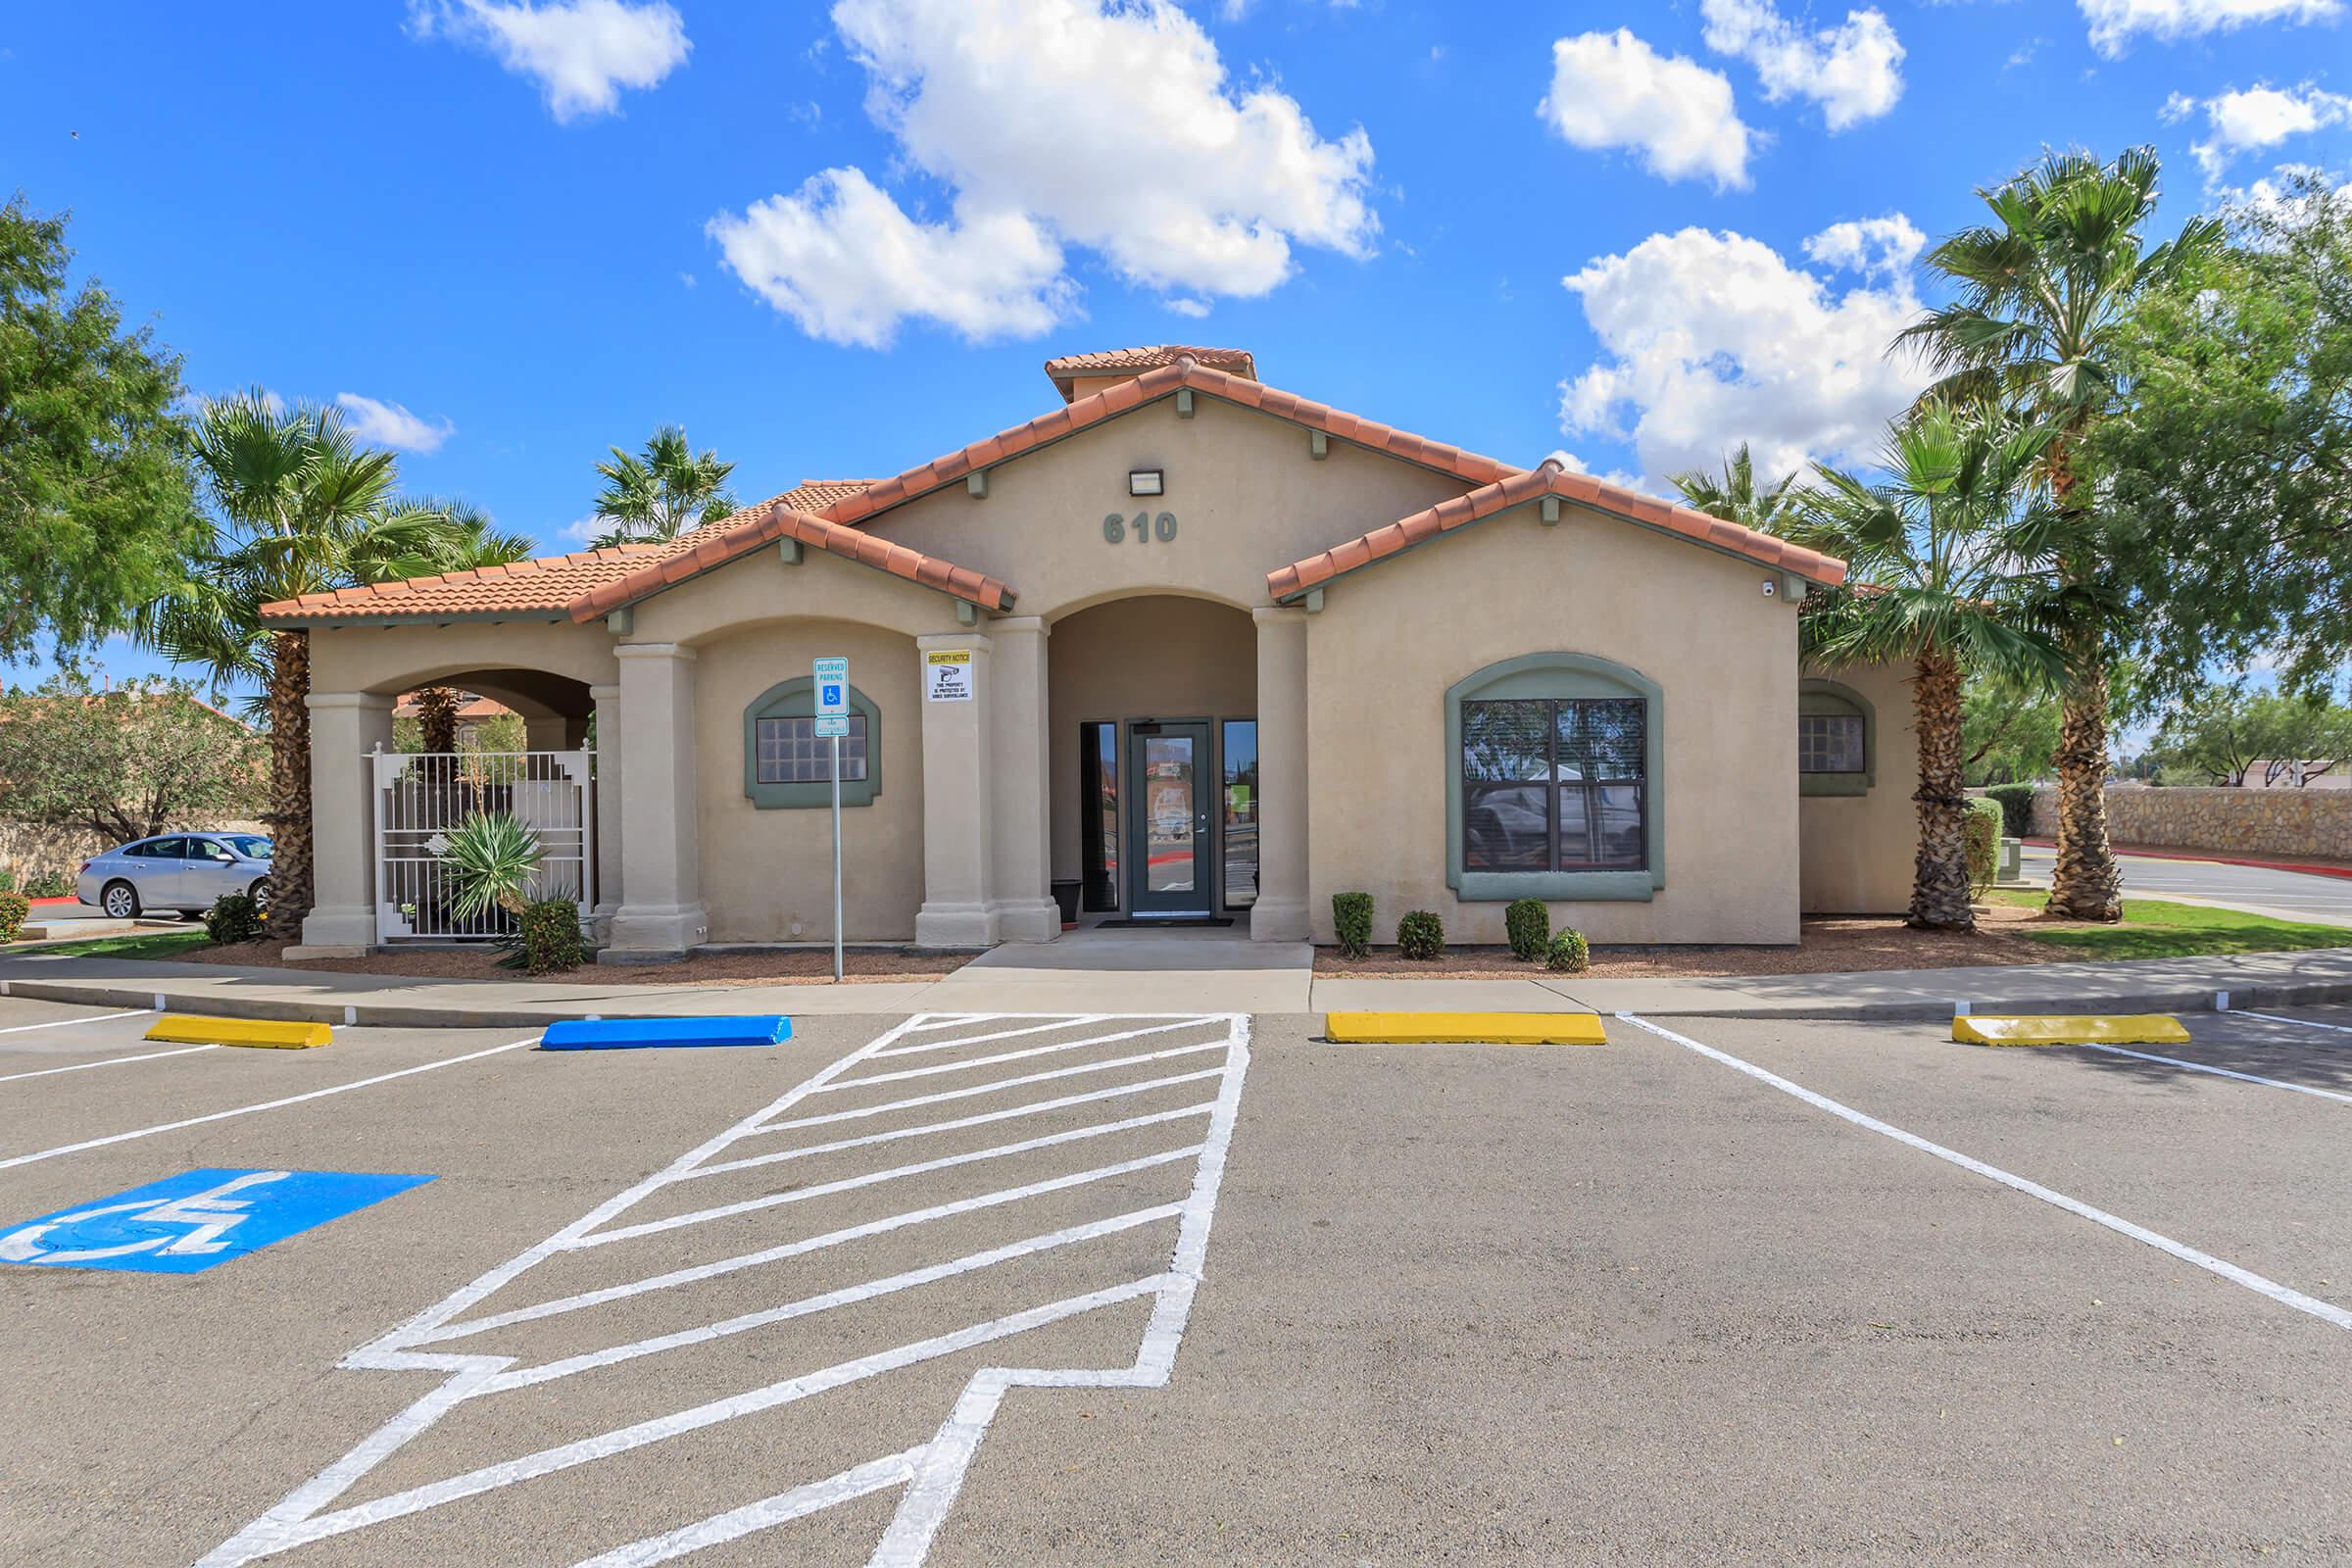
x: 183, y: 871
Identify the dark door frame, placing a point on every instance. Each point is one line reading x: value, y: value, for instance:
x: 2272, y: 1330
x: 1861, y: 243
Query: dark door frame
x: 1201, y: 898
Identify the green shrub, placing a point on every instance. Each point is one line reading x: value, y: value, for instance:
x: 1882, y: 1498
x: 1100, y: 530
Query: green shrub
x: 233, y: 917
x: 48, y: 885
x: 1982, y: 830
x: 491, y: 858
x: 1351, y: 921
x: 549, y: 934
x: 1421, y: 936
x: 1528, y: 925
x: 7, y: 879
x: 2016, y: 809
x: 14, y: 908
x: 1567, y: 952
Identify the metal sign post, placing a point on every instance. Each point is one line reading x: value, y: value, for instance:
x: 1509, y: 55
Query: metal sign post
x: 832, y: 682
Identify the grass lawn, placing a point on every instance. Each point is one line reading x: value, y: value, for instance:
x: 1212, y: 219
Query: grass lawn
x: 2156, y: 928
x: 145, y: 944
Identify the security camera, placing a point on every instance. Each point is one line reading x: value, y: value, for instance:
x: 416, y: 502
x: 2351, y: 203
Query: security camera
x: 1772, y: 589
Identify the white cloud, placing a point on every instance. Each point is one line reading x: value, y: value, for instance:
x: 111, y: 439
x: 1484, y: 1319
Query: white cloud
x: 2113, y: 23
x: 1184, y: 306
x: 1711, y: 339
x: 1853, y: 71
x: 1616, y: 476
x: 389, y: 424
x: 1611, y: 89
x: 2258, y: 118
x: 1057, y: 122
x: 581, y: 52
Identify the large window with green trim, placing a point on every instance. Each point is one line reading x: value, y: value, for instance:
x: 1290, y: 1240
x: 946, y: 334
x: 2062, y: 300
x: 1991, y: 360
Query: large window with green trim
x: 788, y: 765
x: 1836, y: 747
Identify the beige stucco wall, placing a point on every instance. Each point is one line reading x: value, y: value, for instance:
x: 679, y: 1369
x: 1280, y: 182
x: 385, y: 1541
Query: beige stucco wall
x: 1245, y: 492
x: 391, y: 660
x: 1856, y: 852
x: 1153, y: 658
x: 1393, y: 638
x: 765, y: 871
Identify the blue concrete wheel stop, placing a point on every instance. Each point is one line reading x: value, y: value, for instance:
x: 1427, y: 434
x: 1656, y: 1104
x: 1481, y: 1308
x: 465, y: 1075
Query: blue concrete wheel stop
x: 638, y: 1034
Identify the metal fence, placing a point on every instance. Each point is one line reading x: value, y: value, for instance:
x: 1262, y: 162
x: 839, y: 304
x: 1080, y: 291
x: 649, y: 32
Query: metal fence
x: 422, y: 797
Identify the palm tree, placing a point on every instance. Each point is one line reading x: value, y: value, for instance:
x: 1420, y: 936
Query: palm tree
x: 1735, y: 497
x: 658, y: 496
x: 1944, y: 570
x: 302, y: 508
x: 473, y: 540
x: 2042, y: 294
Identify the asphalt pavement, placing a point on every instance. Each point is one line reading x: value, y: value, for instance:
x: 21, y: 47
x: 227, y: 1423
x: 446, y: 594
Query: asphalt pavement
x: 2289, y: 895
x: 958, y: 1289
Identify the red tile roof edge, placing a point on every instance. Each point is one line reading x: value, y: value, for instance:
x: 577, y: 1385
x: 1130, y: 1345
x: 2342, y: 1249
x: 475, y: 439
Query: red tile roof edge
x: 1455, y: 511
x: 359, y: 603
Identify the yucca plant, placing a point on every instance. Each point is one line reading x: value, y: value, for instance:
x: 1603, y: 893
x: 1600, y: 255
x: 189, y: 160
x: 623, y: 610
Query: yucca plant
x: 492, y: 858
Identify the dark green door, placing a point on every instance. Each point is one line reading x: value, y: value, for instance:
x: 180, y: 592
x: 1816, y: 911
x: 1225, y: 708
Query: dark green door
x: 1168, y: 803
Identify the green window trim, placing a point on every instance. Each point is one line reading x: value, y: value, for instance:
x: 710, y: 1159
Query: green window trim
x: 796, y: 699
x: 1832, y: 700
x: 1561, y: 676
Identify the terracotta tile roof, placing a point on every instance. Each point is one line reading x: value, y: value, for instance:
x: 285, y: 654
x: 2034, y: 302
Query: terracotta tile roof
x: 1150, y: 356
x: 781, y: 522
x: 1456, y: 512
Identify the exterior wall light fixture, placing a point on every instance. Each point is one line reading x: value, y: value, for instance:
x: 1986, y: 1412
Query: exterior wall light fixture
x: 1145, y: 482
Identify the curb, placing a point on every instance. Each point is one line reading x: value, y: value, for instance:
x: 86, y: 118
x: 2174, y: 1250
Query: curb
x: 2123, y: 850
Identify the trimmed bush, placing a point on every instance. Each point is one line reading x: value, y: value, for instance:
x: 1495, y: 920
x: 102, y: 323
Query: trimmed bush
x: 14, y: 908
x: 1567, y: 952
x: 48, y: 885
x: 233, y: 917
x: 1982, y: 832
x: 1421, y: 936
x: 1351, y: 921
x: 1529, y: 924
x: 549, y: 931
x: 2016, y: 809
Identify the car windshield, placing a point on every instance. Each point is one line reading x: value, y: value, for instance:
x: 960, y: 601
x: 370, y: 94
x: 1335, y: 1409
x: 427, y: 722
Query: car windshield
x: 252, y: 845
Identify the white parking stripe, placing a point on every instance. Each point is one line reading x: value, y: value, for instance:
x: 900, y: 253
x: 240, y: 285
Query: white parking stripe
x: 864, y: 1111
x: 59, y: 1023
x: 2324, y: 1312
x: 110, y: 1061
x: 1079, y: 1020
x: 875, y: 1475
x: 938, y: 1067
x: 266, y: 1105
x: 2221, y: 1072
x: 2307, y: 1023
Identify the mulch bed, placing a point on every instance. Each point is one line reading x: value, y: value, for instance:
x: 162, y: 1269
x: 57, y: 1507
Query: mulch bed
x: 796, y: 967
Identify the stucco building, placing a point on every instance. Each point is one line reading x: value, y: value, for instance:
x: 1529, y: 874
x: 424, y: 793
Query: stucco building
x: 1191, y: 647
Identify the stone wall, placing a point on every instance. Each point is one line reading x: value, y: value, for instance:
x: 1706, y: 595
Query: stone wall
x: 2315, y: 823
x: 29, y: 848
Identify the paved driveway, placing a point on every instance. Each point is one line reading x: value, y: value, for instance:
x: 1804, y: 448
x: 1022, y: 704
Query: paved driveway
x: 2289, y: 895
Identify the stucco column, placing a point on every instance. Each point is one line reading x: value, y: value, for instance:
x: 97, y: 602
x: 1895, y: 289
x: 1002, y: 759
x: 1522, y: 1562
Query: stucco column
x: 1280, y: 912
x: 661, y: 914
x: 957, y: 784
x: 608, y: 809
x: 1020, y: 858
x: 346, y: 728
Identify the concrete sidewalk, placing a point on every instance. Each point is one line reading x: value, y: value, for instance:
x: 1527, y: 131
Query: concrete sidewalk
x: 1177, y: 976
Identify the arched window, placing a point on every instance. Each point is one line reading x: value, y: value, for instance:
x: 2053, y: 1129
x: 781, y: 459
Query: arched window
x: 1555, y: 777
x: 787, y: 767
x: 1837, y: 740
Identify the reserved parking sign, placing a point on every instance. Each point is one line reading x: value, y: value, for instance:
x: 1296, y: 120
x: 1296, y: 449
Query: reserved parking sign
x: 832, y: 680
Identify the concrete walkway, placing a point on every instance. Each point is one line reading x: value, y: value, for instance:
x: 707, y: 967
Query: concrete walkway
x: 1173, y: 974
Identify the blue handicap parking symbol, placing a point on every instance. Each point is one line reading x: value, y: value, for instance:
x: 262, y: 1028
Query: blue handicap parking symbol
x: 188, y: 1223
x: 832, y: 697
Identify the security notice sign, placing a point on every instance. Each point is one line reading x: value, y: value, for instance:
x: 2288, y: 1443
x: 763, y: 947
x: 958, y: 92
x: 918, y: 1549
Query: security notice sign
x: 832, y: 680
x: 947, y: 676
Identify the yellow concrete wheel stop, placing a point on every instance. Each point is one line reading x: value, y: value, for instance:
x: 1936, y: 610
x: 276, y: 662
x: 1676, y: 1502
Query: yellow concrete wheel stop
x: 2097, y: 1029
x: 1465, y: 1029
x: 191, y: 1029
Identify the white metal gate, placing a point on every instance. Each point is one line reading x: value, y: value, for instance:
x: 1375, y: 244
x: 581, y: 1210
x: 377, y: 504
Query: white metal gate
x: 421, y: 796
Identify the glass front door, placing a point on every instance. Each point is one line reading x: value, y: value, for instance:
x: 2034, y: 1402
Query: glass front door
x: 1168, y: 819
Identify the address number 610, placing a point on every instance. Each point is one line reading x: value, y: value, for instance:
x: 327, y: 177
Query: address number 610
x: 1143, y: 525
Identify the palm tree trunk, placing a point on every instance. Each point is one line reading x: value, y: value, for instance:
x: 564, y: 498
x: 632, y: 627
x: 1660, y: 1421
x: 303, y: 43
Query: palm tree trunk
x: 437, y: 717
x: 2086, y: 885
x: 290, y: 816
x: 1940, y: 882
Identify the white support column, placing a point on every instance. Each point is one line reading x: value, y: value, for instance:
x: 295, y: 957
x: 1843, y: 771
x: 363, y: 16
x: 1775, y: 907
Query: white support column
x: 1280, y: 912
x: 346, y: 727
x: 608, y: 809
x: 956, y: 817
x: 661, y: 914
x: 1020, y: 866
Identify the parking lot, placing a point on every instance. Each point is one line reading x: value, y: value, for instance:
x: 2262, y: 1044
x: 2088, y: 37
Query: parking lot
x: 976, y: 1289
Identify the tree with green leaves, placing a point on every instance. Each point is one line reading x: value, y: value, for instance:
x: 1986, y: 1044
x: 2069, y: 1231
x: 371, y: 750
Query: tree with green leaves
x: 661, y: 493
x: 2225, y: 734
x: 474, y: 541
x: 125, y: 762
x: 1944, y: 573
x: 2008, y: 731
x: 302, y: 508
x: 96, y: 507
x: 1737, y: 497
x: 2043, y: 296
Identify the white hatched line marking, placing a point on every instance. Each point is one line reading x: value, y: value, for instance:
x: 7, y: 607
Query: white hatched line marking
x: 990, y: 1088
x: 798, y: 1194
x: 1008, y: 1113
x: 60, y: 1023
x: 2221, y: 1072
x: 2307, y: 1023
x: 938, y: 1067
x: 2324, y: 1312
x: 931, y: 1473
x: 1074, y: 1021
x: 110, y: 1061
x: 955, y: 1020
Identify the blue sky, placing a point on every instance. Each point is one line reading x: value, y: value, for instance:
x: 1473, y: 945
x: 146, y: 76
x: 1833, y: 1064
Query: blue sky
x: 837, y: 242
